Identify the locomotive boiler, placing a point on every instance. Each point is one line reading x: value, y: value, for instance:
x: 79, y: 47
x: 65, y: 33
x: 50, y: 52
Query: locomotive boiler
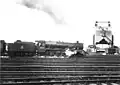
x: 54, y: 48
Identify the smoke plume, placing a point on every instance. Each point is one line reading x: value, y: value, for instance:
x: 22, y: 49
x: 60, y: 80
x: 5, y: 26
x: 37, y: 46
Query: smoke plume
x: 41, y: 5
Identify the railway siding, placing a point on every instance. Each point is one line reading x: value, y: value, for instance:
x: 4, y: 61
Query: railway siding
x: 96, y: 69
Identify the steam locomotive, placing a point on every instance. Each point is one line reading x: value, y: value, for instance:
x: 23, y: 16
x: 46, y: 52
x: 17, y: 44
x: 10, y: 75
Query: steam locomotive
x: 37, y: 48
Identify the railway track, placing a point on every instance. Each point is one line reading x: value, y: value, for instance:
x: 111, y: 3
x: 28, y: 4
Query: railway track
x: 87, y: 70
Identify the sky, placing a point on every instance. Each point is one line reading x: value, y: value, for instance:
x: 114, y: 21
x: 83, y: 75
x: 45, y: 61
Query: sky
x: 18, y: 22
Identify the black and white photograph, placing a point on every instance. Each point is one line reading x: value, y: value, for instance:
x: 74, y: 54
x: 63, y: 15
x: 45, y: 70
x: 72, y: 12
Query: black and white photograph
x: 59, y: 42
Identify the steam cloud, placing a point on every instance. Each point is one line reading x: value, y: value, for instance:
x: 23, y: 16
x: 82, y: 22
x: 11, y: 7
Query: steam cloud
x: 40, y: 5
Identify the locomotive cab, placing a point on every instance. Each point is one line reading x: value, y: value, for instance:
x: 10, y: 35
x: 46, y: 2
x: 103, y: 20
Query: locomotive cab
x: 2, y: 48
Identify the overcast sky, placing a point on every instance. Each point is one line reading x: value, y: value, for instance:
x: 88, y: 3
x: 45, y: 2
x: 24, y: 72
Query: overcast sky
x: 19, y: 22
